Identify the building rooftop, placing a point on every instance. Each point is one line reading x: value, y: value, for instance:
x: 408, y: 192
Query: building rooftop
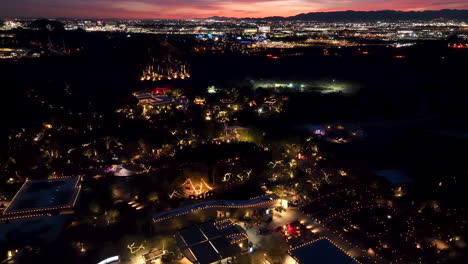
x: 321, y: 251
x: 45, y: 195
x: 211, y: 241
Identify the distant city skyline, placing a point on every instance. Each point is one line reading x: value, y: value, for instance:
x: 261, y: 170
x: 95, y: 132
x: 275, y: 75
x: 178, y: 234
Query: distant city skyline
x: 148, y: 9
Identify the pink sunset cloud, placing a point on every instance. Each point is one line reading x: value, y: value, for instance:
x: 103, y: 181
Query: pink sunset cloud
x: 147, y: 9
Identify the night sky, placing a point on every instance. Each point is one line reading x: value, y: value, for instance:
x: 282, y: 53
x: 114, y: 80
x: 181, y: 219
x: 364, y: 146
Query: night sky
x: 205, y: 8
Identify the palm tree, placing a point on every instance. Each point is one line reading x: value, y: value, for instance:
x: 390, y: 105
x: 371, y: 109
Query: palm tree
x: 111, y: 216
x: 153, y: 197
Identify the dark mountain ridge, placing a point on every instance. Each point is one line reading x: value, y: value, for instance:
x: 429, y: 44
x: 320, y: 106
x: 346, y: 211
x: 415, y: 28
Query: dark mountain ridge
x: 368, y: 16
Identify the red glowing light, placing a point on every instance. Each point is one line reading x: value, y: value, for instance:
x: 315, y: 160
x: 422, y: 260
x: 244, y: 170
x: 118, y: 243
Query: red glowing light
x: 160, y: 90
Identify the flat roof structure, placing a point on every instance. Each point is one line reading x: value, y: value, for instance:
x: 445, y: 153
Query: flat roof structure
x: 40, y: 196
x: 321, y: 251
x: 211, y: 241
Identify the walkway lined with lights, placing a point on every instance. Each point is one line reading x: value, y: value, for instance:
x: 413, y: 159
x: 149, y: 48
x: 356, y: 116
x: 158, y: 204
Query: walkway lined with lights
x: 259, y: 201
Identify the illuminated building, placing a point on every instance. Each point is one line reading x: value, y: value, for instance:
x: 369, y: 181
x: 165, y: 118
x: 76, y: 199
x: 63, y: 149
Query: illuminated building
x: 211, y: 89
x: 212, y: 241
x: 264, y: 29
x: 153, y: 98
x: 157, y: 99
x: 250, y: 30
x: 12, y: 24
